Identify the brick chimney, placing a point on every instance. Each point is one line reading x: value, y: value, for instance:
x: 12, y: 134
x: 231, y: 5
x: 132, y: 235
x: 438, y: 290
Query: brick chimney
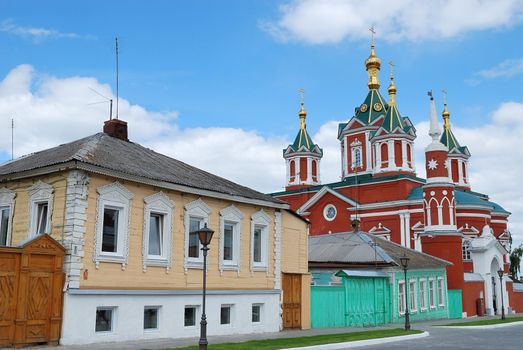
x: 116, y: 128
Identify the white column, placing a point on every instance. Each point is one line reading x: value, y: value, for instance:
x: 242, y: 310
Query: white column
x: 377, y: 148
x: 288, y: 171
x: 407, y: 229
x: 309, y: 170
x: 345, y: 157
x: 392, y: 161
x: 412, y: 161
x: 402, y: 228
x: 318, y: 178
x: 368, y: 151
x: 440, y: 214
x: 460, y: 171
x: 405, y: 165
x: 297, y: 170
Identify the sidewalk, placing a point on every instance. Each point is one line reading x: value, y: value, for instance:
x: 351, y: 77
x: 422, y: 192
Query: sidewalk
x: 171, y: 342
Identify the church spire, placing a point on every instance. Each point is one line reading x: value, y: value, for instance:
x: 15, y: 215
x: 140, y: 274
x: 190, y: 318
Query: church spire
x: 392, y: 88
x: 373, y: 64
x: 302, y: 114
x: 446, y: 113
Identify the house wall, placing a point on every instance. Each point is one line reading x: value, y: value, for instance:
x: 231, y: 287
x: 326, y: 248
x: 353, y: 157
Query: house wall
x: 473, y: 290
x: 515, y: 297
x: 21, y: 216
x: 438, y: 312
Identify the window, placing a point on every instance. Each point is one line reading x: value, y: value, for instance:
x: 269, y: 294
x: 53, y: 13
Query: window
x: 441, y: 298
x: 150, y: 317
x: 196, y: 216
x: 40, y: 204
x: 112, y: 224
x: 432, y: 294
x: 259, y: 240
x: 329, y: 212
x: 465, y: 247
x: 413, y: 296
x: 228, y: 240
x: 110, y: 230
x: 356, y: 154
x: 7, y: 201
x: 190, y: 316
x: 423, y: 294
x: 157, y: 236
x: 401, y: 297
x: 225, y: 314
x: 4, y: 225
x: 256, y: 313
x: 104, y: 319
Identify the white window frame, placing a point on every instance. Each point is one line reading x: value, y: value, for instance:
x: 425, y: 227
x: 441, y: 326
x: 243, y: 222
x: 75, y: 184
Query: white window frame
x: 432, y: 294
x: 326, y: 211
x: 423, y: 294
x: 262, y: 220
x: 113, y: 196
x: 441, y: 295
x: 113, y: 319
x: 413, y: 304
x: 200, y: 210
x: 356, y: 147
x: 40, y: 193
x: 260, y: 305
x: 160, y: 204
x: 7, y: 202
x: 401, y: 298
x: 465, y: 249
x: 232, y: 216
x: 158, y: 318
x: 231, y: 315
x: 196, y: 316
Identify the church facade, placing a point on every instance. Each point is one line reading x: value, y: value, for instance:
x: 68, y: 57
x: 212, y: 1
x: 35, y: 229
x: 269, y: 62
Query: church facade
x: 440, y: 215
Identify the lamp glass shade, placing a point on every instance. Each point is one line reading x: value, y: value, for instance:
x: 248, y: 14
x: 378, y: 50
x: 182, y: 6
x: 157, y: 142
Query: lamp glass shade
x: 205, y: 235
x: 404, y: 261
x: 500, y: 273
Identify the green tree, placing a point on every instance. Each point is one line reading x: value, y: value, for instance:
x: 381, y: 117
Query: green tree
x: 515, y: 261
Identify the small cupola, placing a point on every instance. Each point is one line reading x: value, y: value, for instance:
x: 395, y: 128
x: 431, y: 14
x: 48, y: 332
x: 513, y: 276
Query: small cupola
x: 116, y: 128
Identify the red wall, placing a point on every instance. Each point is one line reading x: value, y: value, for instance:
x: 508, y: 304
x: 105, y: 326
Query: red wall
x: 471, y: 293
x: 515, y: 298
x: 447, y: 248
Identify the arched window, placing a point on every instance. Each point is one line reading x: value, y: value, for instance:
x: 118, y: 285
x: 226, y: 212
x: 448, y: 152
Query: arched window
x: 384, y: 155
x: 357, y: 158
x: 292, y: 171
x: 465, y: 249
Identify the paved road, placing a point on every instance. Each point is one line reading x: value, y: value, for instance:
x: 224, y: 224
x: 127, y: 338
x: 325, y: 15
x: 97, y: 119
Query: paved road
x: 506, y: 338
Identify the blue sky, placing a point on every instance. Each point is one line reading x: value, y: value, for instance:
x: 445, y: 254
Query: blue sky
x: 215, y: 83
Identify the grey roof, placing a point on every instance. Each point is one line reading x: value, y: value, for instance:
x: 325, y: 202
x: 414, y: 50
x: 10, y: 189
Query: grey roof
x: 473, y: 277
x: 107, y: 152
x: 358, y: 249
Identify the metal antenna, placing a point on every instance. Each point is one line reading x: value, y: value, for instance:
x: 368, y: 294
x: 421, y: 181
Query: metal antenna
x: 12, y: 138
x: 107, y: 99
x: 117, y: 96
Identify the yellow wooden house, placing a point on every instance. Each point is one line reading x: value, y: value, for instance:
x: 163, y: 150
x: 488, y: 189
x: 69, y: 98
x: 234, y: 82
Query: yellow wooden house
x: 133, y: 270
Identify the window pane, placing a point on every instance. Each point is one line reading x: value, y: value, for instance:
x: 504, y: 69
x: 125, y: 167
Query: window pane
x: 110, y: 231
x: 257, y: 245
x: 194, y: 243
x: 256, y: 313
x: 150, y: 318
x: 155, y: 234
x: 42, y: 218
x: 4, y: 223
x: 104, y: 320
x: 412, y: 295
x: 190, y: 316
x: 225, y: 315
x: 228, y: 242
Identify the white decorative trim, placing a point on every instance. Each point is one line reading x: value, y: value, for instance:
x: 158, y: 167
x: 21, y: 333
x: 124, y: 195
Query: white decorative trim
x: 7, y: 200
x: 326, y: 212
x: 324, y: 190
x: 158, y: 203
x: 262, y: 219
x: 197, y: 209
x: 74, y: 225
x: 115, y: 195
x: 277, y: 249
x: 234, y: 216
x: 40, y: 192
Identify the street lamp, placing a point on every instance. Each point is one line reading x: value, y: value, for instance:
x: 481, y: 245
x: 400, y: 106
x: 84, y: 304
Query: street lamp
x: 500, y: 274
x: 405, y: 264
x: 205, y: 236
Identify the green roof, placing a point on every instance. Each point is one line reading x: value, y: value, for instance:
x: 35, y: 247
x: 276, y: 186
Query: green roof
x: 304, y: 140
x: 449, y: 140
x: 392, y: 119
x: 370, y: 114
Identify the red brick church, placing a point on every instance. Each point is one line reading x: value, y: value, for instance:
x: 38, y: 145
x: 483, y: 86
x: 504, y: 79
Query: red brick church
x: 440, y: 215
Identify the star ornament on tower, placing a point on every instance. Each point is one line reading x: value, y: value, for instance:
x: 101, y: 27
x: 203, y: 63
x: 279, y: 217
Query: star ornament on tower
x: 447, y: 164
x: 433, y: 164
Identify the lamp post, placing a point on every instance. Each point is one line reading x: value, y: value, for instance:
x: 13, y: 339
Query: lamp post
x: 405, y: 264
x: 500, y: 274
x: 205, y: 236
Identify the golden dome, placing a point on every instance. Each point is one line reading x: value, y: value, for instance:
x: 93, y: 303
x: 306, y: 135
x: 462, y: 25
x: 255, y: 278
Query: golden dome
x: 302, y: 115
x: 373, y: 64
x: 446, y: 113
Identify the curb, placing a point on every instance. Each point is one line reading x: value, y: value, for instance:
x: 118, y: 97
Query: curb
x: 487, y: 326
x: 357, y: 343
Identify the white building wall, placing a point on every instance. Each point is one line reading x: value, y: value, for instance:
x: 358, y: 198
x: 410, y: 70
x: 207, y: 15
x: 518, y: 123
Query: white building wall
x: 78, y: 326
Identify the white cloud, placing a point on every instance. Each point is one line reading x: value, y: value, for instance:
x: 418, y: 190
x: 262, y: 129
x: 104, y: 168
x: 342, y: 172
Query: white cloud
x: 507, y: 68
x: 36, y: 33
x: 49, y: 111
x: 331, y: 21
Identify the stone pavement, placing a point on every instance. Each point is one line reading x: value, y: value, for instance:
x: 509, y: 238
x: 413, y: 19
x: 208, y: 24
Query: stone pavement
x: 171, y: 342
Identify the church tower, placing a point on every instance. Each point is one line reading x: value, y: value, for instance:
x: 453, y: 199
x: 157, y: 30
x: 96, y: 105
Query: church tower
x: 440, y: 236
x: 393, y: 142
x: 302, y: 157
x: 458, y: 155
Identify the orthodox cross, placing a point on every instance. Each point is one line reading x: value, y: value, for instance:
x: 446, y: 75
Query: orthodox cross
x: 391, y: 63
x: 444, y: 96
x: 373, y: 32
x: 302, y: 92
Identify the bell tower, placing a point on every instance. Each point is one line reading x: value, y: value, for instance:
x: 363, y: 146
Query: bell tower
x: 302, y: 157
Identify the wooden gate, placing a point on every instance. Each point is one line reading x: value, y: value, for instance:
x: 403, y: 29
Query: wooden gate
x: 291, y: 300
x: 31, y: 282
